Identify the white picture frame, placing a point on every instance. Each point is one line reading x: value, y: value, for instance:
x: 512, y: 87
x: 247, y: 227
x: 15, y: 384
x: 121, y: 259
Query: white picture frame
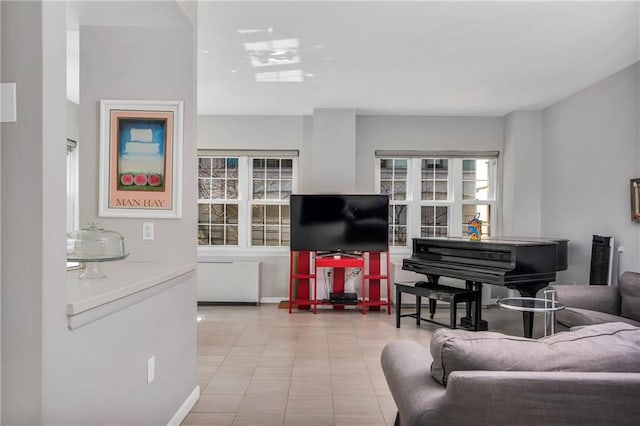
x: 140, y: 162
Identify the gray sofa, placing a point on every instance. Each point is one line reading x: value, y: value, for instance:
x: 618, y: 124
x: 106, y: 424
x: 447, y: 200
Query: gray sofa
x: 595, y: 304
x: 586, y: 377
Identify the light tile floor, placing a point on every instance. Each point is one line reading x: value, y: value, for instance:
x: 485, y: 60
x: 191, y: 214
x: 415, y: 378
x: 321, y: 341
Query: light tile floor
x: 264, y: 366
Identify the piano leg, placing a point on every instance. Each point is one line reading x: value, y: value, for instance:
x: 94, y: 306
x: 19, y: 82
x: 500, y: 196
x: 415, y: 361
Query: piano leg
x: 529, y: 290
x: 527, y: 321
x: 473, y: 319
x: 432, y: 279
x: 398, y: 303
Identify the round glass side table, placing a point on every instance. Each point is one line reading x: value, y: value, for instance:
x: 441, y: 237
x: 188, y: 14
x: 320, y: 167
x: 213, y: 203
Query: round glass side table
x: 548, y: 306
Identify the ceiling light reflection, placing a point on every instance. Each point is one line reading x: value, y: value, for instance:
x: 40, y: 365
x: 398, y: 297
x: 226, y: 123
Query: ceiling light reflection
x: 248, y: 31
x: 290, y: 76
x: 273, y: 52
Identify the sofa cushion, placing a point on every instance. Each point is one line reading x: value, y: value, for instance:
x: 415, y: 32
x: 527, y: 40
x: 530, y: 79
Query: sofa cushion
x: 610, y: 347
x: 572, y: 317
x: 629, y: 287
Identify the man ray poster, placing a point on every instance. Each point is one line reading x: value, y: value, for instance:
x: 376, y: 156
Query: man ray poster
x: 140, y: 159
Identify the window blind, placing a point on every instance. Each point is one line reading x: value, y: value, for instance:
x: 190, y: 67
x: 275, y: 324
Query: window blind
x: 248, y: 152
x: 435, y: 154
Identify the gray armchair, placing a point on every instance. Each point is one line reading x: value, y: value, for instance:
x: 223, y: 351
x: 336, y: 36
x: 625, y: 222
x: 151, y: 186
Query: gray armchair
x: 595, y: 304
x: 587, y: 377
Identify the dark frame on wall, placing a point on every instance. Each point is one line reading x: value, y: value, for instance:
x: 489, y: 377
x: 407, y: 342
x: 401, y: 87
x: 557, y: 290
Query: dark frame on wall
x: 634, y: 187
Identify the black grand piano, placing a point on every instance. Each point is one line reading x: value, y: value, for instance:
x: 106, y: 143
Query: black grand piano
x: 521, y: 263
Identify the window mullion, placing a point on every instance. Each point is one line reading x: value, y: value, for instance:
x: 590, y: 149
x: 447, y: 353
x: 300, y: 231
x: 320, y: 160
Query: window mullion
x: 294, y: 175
x: 493, y: 181
x: 244, y: 201
x: 377, y: 175
x: 415, y: 201
x: 455, y: 180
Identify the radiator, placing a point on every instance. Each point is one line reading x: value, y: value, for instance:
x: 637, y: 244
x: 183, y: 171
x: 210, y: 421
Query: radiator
x: 229, y: 282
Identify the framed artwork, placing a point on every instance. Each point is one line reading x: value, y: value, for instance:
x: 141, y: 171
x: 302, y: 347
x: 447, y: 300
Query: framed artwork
x: 140, y: 159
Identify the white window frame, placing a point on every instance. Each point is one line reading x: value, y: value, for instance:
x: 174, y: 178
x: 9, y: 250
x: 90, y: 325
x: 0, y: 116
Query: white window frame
x: 454, y: 202
x: 415, y: 164
x: 245, y: 202
x: 493, y: 196
x: 267, y: 201
x: 73, y: 192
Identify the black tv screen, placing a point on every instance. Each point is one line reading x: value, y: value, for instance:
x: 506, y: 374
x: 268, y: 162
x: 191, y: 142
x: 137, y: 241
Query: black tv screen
x: 339, y: 223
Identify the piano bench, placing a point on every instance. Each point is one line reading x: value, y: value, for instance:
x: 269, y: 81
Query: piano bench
x: 435, y: 292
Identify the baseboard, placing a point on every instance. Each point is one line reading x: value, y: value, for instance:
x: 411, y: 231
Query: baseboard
x: 209, y: 303
x: 271, y: 300
x: 184, y: 409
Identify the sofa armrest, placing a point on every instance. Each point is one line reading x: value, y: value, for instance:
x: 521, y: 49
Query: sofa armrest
x: 596, y: 298
x: 407, y: 368
x: 499, y: 397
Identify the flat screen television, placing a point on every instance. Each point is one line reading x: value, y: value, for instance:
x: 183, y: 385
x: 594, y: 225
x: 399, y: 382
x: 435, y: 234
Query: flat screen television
x: 339, y: 223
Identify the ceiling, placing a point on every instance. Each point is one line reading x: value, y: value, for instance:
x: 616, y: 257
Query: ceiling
x: 409, y: 58
x: 393, y: 57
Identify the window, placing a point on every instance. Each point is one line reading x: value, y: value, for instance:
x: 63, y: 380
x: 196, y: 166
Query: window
x: 243, y: 200
x: 437, y: 196
x: 394, y: 182
x: 434, y: 182
x: 272, y: 184
x: 72, y: 190
x: 218, y: 200
x: 478, y: 195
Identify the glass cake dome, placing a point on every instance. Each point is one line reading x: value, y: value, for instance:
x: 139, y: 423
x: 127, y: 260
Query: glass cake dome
x: 93, y: 245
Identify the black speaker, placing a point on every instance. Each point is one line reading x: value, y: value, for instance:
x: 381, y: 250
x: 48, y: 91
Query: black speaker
x: 601, y: 252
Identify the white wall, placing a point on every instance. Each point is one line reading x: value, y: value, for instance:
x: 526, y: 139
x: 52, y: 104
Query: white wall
x: 420, y: 133
x: 566, y: 169
x: 554, y: 162
x: 259, y: 132
x: 1, y: 80
x: 132, y: 63
x: 333, y: 151
x: 249, y: 132
x: 522, y: 180
x: 54, y: 294
x: 589, y: 154
x: 23, y: 216
x: 275, y: 132
x: 96, y: 373
x: 371, y: 133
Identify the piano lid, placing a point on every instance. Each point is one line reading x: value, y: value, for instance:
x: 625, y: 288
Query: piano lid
x: 562, y: 245
x: 509, y: 241
x: 500, y: 262
x: 562, y: 248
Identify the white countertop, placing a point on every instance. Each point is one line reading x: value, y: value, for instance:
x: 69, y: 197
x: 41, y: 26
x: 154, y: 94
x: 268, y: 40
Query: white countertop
x: 123, y: 279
